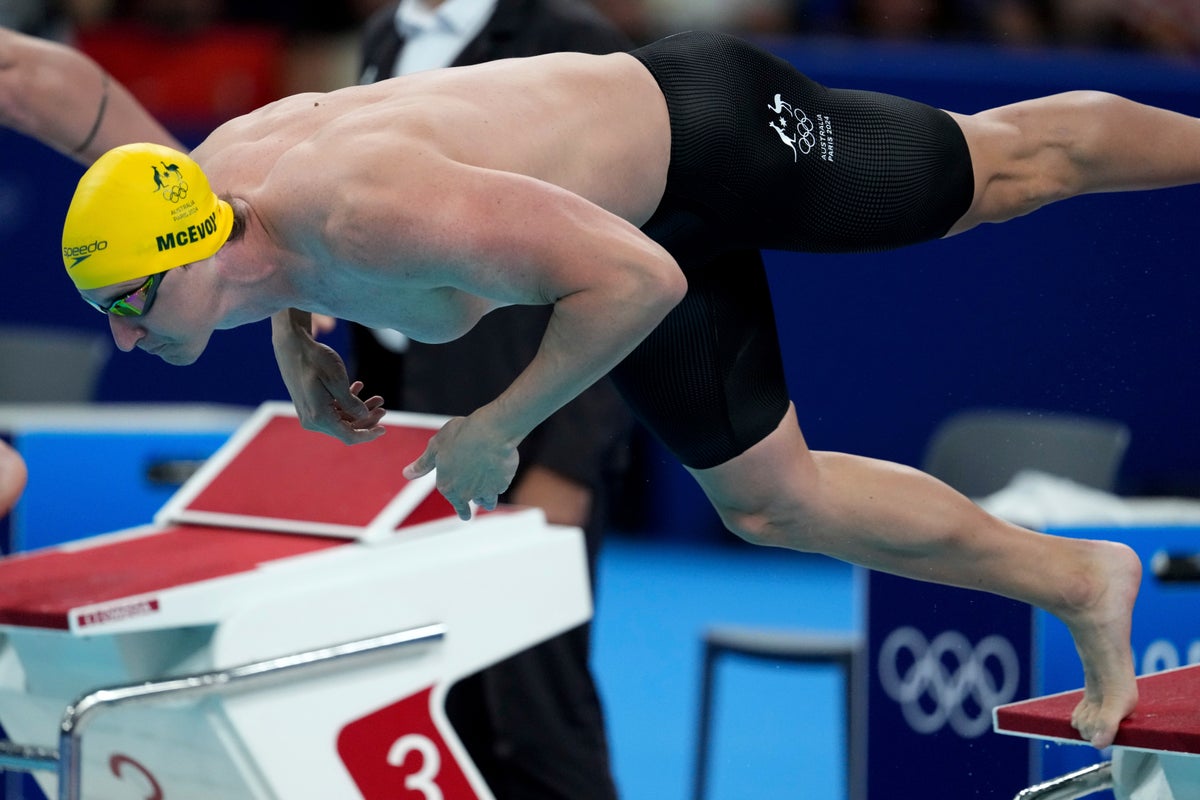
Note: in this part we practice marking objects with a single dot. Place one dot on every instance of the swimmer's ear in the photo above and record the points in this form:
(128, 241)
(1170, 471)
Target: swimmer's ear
(241, 212)
(231, 259)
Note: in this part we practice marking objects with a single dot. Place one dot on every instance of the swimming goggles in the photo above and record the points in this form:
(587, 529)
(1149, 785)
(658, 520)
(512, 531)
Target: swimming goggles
(135, 304)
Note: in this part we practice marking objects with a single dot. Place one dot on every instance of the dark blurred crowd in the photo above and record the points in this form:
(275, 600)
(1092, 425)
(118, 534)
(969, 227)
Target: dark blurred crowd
(1167, 26)
(213, 59)
(1171, 26)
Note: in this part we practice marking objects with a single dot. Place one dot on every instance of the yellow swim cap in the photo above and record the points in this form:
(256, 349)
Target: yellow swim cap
(139, 210)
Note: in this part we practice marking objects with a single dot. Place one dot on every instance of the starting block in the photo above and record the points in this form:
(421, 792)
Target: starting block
(1156, 753)
(288, 626)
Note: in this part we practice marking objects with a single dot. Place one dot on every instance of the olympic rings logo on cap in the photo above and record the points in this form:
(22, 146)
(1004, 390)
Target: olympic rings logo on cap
(948, 671)
(170, 181)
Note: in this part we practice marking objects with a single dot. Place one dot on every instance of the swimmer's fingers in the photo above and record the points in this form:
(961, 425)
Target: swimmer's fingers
(471, 466)
(371, 403)
(351, 433)
(352, 409)
(366, 414)
(353, 420)
(325, 400)
(424, 464)
(322, 324)
(348, 428)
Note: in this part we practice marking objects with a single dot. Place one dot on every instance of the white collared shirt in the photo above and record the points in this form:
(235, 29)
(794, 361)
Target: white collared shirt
(433, 37)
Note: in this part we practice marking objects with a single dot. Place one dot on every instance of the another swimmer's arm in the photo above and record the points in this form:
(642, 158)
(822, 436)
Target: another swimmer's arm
(316, 380)
(59, 96)
(13, 475)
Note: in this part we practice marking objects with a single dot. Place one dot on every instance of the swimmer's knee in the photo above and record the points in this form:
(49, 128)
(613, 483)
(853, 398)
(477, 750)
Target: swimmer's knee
(792, 524)
(770, 495)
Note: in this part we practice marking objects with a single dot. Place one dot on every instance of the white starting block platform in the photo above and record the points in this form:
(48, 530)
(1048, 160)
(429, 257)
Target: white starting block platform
(299, 610)
(1156, 754)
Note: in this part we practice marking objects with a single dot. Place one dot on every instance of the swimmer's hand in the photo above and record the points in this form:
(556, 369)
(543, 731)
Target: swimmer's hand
(318, 384)
(472, 464)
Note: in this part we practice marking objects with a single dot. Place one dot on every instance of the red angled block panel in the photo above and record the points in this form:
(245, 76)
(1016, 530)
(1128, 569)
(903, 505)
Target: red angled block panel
(286, 472)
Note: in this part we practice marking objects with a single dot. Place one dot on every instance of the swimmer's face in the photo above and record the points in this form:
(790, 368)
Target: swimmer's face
(177, 316)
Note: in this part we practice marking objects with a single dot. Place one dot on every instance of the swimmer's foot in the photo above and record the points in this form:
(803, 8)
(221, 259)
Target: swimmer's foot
(1101, 628)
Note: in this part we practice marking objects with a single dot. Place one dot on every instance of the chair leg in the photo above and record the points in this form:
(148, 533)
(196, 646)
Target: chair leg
(843, 652)
(707, 687)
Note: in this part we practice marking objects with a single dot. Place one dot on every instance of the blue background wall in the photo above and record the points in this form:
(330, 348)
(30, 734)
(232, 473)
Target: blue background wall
(1088, 306)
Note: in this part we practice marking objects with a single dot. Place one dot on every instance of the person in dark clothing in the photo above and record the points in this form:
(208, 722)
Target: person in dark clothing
(534, 723)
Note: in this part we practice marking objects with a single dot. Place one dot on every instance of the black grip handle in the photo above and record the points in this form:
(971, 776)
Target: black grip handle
(172, 471)
(1176, 567)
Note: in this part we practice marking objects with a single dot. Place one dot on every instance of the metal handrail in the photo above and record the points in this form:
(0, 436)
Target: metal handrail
(67, 760)
(22, 758)
(1073, 785)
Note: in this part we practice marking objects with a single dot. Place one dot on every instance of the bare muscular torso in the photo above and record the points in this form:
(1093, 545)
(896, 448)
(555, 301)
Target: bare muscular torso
(325, 175)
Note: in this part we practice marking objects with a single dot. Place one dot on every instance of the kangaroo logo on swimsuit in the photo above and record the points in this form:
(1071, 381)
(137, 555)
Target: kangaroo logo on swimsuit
(800, 133)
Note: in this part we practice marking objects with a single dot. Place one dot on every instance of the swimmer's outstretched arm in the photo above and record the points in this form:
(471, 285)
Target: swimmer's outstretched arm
(62, 98)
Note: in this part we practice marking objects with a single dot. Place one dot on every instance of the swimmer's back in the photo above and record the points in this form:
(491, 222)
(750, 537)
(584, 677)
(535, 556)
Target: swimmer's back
(594, 125)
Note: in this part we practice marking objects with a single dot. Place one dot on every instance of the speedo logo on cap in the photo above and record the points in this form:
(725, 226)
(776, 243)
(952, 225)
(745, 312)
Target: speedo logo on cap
(188, 235)
(83, 252)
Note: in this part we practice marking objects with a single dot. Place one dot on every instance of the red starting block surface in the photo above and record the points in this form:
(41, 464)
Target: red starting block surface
(272, 476)
(1167, 717)
(41, 589)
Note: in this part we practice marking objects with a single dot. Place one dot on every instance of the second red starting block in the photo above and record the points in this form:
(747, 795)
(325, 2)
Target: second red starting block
(1156, 754)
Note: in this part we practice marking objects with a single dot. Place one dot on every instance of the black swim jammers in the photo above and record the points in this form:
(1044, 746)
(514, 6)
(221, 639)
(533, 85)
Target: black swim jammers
(763, 157)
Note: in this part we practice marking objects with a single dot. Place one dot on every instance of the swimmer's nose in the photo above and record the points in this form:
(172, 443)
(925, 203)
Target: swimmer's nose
(125, 332)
